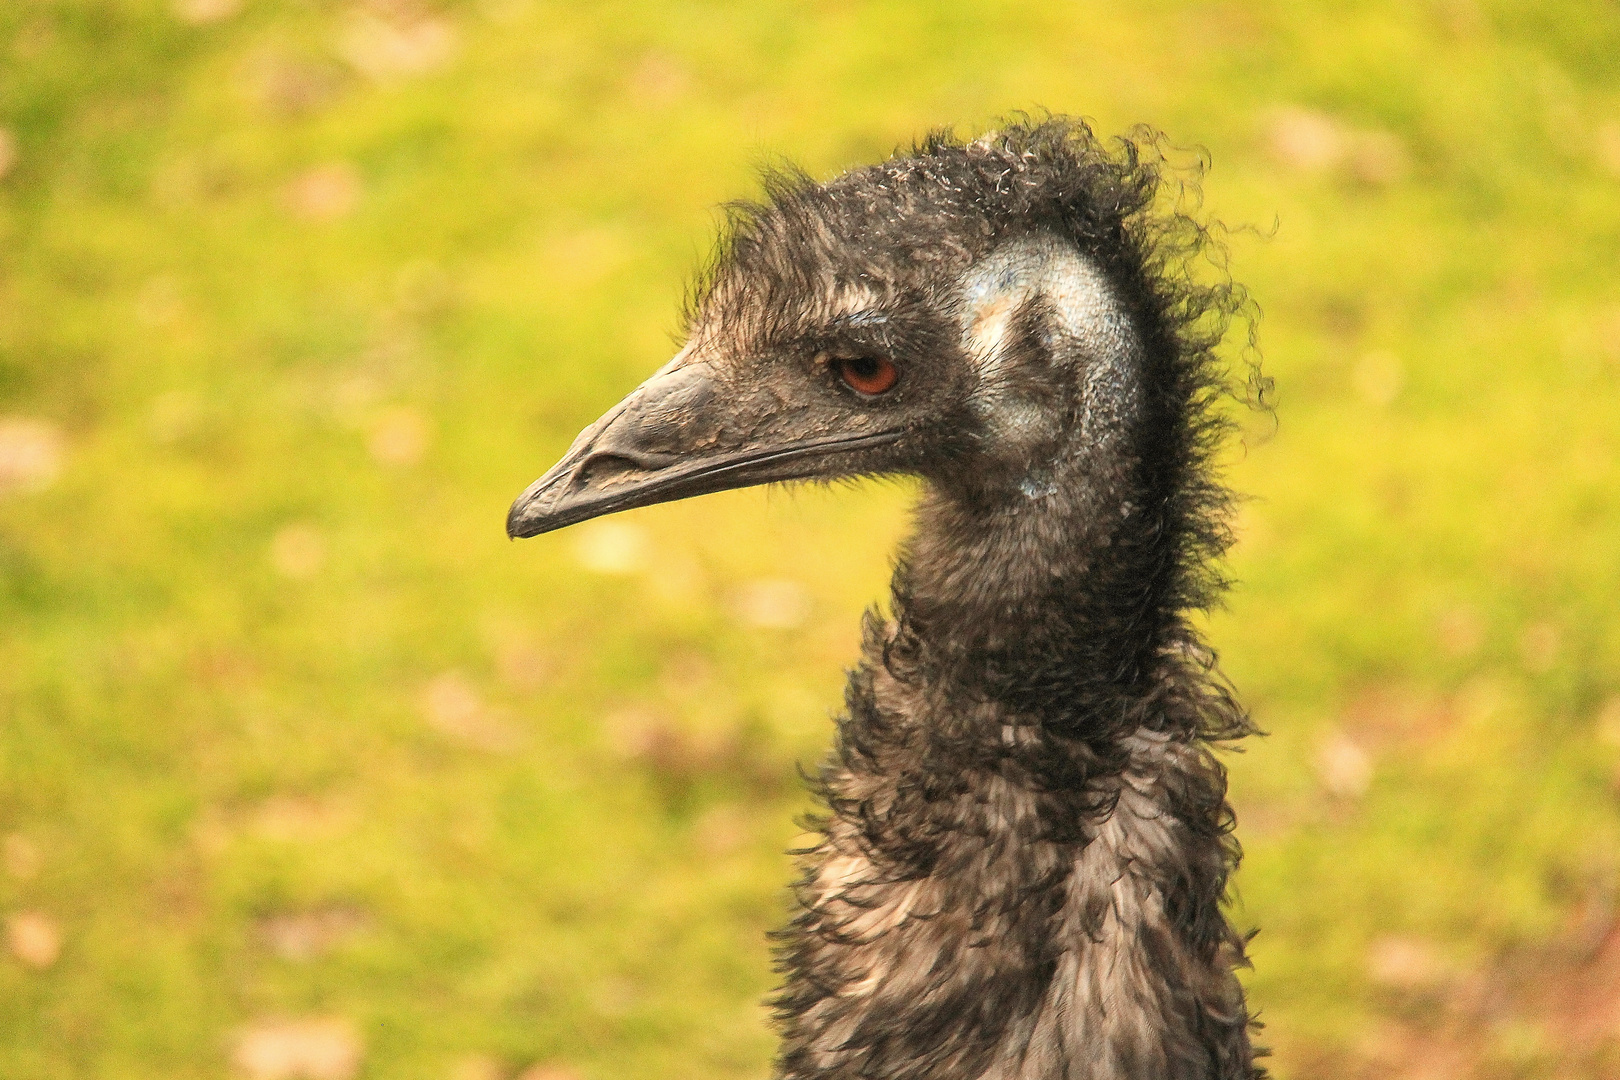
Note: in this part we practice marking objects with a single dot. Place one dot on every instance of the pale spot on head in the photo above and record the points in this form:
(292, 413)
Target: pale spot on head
(1093, 341)
(988, 327)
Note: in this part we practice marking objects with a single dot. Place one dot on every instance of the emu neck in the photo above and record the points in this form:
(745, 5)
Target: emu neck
(1046, 605)
(1021, 871)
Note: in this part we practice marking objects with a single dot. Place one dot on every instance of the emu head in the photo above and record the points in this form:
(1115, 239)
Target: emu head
(962, 314)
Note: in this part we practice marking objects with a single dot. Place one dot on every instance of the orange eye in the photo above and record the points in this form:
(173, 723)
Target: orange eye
(870, 375)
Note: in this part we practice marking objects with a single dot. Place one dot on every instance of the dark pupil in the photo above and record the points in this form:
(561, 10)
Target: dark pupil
(864, 367)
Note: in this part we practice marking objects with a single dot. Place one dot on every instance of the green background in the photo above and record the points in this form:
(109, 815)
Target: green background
(294, 298)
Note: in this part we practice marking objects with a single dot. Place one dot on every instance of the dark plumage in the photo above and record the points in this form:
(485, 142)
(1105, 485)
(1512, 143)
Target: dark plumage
(1026, 840)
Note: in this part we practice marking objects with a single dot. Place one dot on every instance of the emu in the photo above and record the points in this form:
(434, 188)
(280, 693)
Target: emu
(1025, 843)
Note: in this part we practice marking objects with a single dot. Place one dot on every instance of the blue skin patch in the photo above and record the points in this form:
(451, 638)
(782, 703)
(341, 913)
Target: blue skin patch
(1038, 485)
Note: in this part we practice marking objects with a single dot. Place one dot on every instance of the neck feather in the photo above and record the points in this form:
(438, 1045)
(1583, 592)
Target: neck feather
(1056, 607)
(1027, 844)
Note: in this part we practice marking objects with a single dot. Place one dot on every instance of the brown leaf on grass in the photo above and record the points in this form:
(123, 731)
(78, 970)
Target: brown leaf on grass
(1313, 142)
(1396, 1051)
(299, 818)
(454, 707)
(1586, 1001)
(1461, 631)
(305, 935)
(1608, 146)
(678, 757)
(30, 454)
(721, 830)
(1383, 717)
(1552, 1008)
(288, 84)
(311, 1048)
(1608, 722)
(522, 665)
(1539, 645)
(1377, 158)
(387, 49)
(477, 1067)
(203, 12)
(685, 674)
(34, 938)
(1344, 767)
(325, 192)
(399, 437)
(1306, 140)
(160, 302)
(659, 79)
(523, 660)
(772, 603)
(1608, 335)
(548, 1071)
(1378, 377)
(611, 547)
(1402, 962)
(1461, 18)
(614, 996)
(1262, 819)
(298, 551)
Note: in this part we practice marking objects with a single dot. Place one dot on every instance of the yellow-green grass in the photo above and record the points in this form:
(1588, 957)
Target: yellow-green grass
(310, 291)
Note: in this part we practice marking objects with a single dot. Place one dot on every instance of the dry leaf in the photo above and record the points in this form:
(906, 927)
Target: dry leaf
(294, 818)
(1306, 139)
(1539, 646)
(477, 1067)
(1404, 963)
(386, 49)
(611, 547)
(772, 603)
(34, 938)
(325, 192)
(454, 707)
(1311, 141)
(298, 552)
(1461, 631)
(1608, 722)
(1344, 768)
(30, 454)
(305, 935)
(1608, 147)
(399, 437)
(1379, 376)
(548, 1071)
(303, 1049)
(203, 12)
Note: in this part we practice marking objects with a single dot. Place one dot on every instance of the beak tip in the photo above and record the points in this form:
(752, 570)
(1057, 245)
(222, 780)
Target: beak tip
(518, 525)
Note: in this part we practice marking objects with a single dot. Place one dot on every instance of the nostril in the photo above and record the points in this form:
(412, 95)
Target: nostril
(604, 468)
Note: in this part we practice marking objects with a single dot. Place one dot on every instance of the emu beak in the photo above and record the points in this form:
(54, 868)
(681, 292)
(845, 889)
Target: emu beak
(680, 434)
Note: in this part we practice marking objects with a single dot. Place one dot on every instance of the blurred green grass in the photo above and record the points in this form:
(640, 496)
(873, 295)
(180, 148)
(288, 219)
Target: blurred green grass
(295, 297)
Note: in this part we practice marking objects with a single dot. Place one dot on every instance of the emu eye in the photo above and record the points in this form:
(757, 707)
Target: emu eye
(869, 375)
